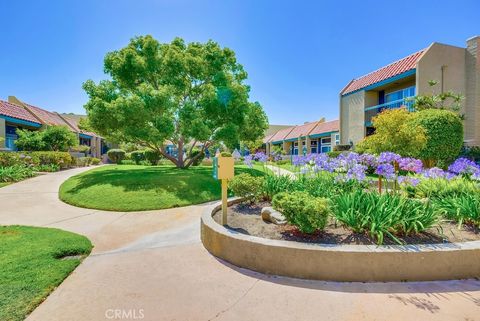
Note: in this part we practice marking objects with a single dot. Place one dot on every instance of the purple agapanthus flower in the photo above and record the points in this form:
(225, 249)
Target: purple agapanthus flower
(299, 160)
(410, 164)
(247, 160)
(388, 157)
(368, 160)
(357, 172)
(435, 172)
(261, 157)
(385, 170)
(464, 166)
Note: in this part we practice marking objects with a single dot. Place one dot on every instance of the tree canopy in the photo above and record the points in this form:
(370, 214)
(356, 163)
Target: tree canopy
(190, 95)
(53, 138)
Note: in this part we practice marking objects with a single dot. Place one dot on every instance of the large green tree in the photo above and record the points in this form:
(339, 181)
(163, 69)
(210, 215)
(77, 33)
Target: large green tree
(192, 95)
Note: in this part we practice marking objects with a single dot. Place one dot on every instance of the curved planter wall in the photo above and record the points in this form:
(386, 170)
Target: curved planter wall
(362, 263)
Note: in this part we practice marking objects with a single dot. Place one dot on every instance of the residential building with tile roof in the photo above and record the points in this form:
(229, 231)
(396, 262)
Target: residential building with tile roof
(16, 114)
(309, 138)
(395, 85)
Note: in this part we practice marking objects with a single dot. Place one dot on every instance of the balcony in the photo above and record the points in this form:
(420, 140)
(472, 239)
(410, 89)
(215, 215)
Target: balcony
(407, 102)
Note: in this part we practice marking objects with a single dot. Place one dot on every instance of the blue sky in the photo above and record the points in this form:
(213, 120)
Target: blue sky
(298, 54)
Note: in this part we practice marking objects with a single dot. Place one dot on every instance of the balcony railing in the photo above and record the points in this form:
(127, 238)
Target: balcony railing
(405, 102)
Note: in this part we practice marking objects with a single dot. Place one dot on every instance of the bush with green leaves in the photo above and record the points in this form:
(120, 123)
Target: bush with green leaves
(95, 161)
(15, 173)
(463, 209)
(53, 138)
(382, 215)
(274, 184)
(116, 155)
(62, 159)
(152, 156)
(50, 168)
(137, 156)
(197, 160)
(247, 187)
(444, 133)
(309, 214)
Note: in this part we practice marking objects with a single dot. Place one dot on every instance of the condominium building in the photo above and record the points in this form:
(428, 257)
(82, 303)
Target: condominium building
(454, 69)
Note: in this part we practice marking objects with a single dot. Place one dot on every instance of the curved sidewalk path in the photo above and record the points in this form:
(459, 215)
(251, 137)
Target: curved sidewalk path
(152, 264)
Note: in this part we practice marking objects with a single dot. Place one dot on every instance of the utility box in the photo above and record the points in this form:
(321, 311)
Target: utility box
(223, 167)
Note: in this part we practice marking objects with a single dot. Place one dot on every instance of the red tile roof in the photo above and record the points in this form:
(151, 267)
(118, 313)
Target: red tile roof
(267, 138)
(391, 70)
(47, 117)
(281, 134)
(15, 111)
(74, 122)
(301, 130)
(326, 127)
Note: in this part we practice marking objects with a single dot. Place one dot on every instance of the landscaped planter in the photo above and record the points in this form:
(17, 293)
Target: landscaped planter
(362, 263)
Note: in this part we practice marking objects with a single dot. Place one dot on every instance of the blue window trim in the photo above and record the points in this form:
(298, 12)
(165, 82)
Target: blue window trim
(85, 136)
(385, 81)
(21, 121)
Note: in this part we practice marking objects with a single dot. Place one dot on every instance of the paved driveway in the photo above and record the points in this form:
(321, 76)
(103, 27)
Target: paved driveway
(152, 266)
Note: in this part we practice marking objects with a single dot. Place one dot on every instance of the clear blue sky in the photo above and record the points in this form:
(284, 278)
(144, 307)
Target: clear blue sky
(298, 54)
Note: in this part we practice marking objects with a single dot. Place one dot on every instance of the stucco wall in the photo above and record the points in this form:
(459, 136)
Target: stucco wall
(352, 117)
(472, 95)
(429, 67)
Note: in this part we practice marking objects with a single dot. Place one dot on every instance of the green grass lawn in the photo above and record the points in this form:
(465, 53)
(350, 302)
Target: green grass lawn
(2, 184)
(288, 167)
(137, 188)
(31, 265)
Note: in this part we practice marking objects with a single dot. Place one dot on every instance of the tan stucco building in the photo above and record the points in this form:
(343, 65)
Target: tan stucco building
(455, 69)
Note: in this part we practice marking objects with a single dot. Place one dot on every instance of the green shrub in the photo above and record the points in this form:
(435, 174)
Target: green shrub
(334, 154)
(444, 132)
(83, 161)
(61, 159)
(46, 168)
(199, 159)
(53, 138)
(137, 156)
(382, 215)
(15, 173)
(207, 162)
(116, 155)
(309, 214)
(80, 149)
(247, 186)
(95, 161)
(463, 209)
(283, 162)
(152, 156)
(274, 184)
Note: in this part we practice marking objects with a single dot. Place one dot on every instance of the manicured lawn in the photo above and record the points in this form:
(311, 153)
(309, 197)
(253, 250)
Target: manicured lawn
(288, 167)
(31, 265)
(137, 188)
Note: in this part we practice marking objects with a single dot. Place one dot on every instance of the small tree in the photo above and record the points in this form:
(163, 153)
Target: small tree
(58, 138)
(187, 94)
(444, 132)
(29, 140)
(394, 132)
(446, 100)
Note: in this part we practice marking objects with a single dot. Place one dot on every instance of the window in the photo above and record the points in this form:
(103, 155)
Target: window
(337, 139)
(325, 144)
(400, 94)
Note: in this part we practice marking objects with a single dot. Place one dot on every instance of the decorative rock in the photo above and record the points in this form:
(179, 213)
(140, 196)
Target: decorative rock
(273, 216)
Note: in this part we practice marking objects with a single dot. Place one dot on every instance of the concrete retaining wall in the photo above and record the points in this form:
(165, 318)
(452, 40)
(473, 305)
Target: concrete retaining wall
(362, 263)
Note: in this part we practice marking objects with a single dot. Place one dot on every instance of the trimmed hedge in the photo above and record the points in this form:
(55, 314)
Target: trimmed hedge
(116, 155)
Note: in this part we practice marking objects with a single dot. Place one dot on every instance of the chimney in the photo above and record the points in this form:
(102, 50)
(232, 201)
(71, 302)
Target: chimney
(473, 47)
(472, 91)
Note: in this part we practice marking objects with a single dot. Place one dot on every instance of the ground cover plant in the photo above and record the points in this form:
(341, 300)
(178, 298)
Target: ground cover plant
(382, 196)
(137, 187)
(33, 261)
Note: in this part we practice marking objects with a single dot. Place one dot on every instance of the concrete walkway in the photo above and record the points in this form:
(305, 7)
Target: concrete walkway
(152, 266)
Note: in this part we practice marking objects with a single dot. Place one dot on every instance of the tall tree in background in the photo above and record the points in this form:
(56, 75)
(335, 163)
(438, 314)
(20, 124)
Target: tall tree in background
(192, 95)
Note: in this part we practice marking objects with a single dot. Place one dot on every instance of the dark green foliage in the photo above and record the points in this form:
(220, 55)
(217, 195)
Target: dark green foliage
(444, 133)
(342, 147)
(116, 155)
(441, 188)
(137, 156)
(463, 209)
(334, 154)
(309, 214)
(247, 186)
(382, 215)
(197, 155)
(61, 159)
(152, 156)
(31, 266)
